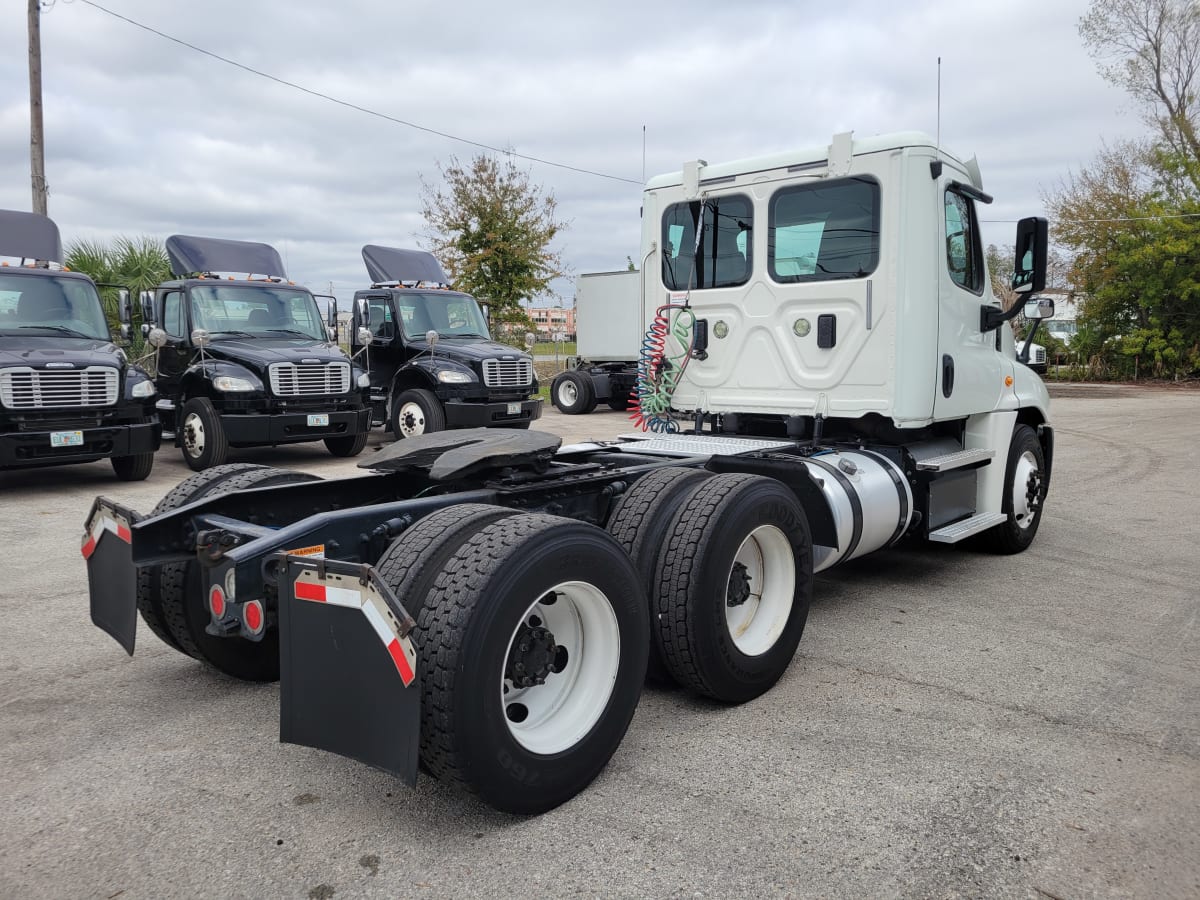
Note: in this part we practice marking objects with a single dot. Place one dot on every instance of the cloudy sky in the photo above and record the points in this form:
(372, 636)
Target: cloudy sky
(146, 136)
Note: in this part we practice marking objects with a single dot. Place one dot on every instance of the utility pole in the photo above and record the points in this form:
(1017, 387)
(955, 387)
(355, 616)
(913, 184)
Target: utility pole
(37, 155)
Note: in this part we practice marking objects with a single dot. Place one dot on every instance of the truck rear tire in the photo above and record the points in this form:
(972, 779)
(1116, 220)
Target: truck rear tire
(638, 522)
(201, 436)
(619, 402)
(531, 649)
(1024, 494)
(734, 586)
(149, 598)
(182, 597)
(415, 412)
(136, 467)
(412, 562)
(572, 392)
(350, 445)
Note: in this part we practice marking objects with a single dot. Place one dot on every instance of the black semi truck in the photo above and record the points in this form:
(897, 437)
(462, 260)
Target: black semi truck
(247, 362)
(67, 392)
(432, 362)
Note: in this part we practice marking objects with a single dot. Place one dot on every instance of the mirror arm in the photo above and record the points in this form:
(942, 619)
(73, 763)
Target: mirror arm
(991, 317)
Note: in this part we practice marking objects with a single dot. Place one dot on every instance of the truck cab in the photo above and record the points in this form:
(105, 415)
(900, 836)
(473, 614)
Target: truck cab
(68, 394)
(432, 363)
(248, 361)
(841, 293)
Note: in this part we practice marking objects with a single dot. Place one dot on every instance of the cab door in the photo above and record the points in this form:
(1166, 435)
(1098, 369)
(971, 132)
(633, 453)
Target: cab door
(176, 354)
(969, 374)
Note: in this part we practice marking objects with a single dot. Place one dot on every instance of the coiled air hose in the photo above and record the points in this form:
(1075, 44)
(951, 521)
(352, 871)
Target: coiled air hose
(659, 374)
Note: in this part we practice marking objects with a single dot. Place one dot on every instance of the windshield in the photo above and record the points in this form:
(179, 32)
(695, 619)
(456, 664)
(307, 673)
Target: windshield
(256, 311)
(448, 313)
(47, 305)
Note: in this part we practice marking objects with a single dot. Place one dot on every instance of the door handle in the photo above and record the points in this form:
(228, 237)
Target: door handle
(947, 374)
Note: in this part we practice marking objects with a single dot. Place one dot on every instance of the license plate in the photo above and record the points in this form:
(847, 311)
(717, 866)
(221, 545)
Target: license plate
(66, 439)
(318, 421)
(514, 409)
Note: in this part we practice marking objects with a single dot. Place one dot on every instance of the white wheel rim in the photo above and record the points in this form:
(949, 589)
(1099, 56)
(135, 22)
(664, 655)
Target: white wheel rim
(1023, 510)
(567, 393)
(556, 715)
(193, 435)
(412, 419)
(756, 622)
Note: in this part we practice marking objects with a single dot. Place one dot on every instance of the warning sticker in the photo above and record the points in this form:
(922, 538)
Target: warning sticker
(314, 550)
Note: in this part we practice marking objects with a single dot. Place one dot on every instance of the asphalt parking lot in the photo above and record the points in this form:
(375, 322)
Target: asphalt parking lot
(954, 724)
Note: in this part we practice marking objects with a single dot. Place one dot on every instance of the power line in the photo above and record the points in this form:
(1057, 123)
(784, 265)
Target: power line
(347, 104)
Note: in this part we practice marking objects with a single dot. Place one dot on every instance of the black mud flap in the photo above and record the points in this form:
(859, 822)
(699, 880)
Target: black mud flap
(112, 576)
(347, 669)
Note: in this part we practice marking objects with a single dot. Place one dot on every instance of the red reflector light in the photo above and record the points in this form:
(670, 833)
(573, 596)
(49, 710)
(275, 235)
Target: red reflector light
(252, 615)
(216, 602)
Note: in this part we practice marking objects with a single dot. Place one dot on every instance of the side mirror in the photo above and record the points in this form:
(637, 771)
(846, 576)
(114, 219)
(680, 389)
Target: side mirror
(1031, 250)
(147, 301)
(530, 340)
(124, 309)
(156, 337)
(125, 330)
(332, 331)
(364, 336)
(331, 310)
(432, 337)
(364, 311)
(1039, 308)
(200, 337)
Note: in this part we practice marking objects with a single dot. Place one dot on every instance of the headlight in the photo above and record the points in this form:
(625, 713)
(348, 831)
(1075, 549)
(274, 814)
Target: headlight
(143, 389)
(453, 376)
(231, 383)
(364, 380)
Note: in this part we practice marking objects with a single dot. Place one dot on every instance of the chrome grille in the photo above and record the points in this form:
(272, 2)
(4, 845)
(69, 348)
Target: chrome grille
(508, 372)
(28, 388)
(1037, 354)
(309, 379)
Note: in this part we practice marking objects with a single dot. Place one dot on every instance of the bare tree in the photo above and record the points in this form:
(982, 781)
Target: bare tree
(1151, 48)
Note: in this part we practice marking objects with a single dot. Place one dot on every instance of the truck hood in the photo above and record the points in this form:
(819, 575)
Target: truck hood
(473, 350)
(39, 352)
(262, 352)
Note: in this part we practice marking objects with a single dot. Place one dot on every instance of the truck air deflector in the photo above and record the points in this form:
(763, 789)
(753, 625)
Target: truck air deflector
(112, 577)
(29, 236)
(348, 677)
(394, 264)
(189, 254)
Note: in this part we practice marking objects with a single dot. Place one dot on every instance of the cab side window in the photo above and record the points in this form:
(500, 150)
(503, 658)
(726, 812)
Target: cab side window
(174, 320)
(964, 252)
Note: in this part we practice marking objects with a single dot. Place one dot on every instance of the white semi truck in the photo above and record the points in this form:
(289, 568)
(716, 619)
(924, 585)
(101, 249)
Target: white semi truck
(610, 323)
(826, 374)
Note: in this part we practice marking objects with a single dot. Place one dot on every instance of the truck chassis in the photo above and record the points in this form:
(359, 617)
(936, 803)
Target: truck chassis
(487, 608)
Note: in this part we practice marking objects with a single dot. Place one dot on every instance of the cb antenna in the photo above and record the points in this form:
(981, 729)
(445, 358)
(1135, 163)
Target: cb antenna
(938, 138)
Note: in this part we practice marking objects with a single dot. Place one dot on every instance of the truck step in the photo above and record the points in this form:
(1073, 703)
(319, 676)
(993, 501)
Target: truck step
(957, 460)
(952, 534)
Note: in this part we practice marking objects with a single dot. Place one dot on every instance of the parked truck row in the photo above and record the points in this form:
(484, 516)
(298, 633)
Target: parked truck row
(241, 357)
(832, 376)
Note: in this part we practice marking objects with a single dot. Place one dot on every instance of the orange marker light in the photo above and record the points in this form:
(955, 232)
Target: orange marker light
(1008, 381)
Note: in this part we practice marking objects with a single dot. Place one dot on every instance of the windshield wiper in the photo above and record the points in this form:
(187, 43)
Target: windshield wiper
(232, 331)
(466, 334)
(294, 331)
(64, 329)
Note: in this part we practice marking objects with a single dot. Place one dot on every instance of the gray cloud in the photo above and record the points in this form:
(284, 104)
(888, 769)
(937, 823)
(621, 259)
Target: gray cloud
(146, 136)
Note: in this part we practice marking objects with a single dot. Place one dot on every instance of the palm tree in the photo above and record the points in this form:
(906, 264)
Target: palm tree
(137, 263)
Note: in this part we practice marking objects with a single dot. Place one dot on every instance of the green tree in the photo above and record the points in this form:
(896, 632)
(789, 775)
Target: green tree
(1151, 49)
(492, 229)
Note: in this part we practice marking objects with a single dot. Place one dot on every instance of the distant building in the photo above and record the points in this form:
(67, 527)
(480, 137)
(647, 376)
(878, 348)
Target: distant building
(551, 320)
